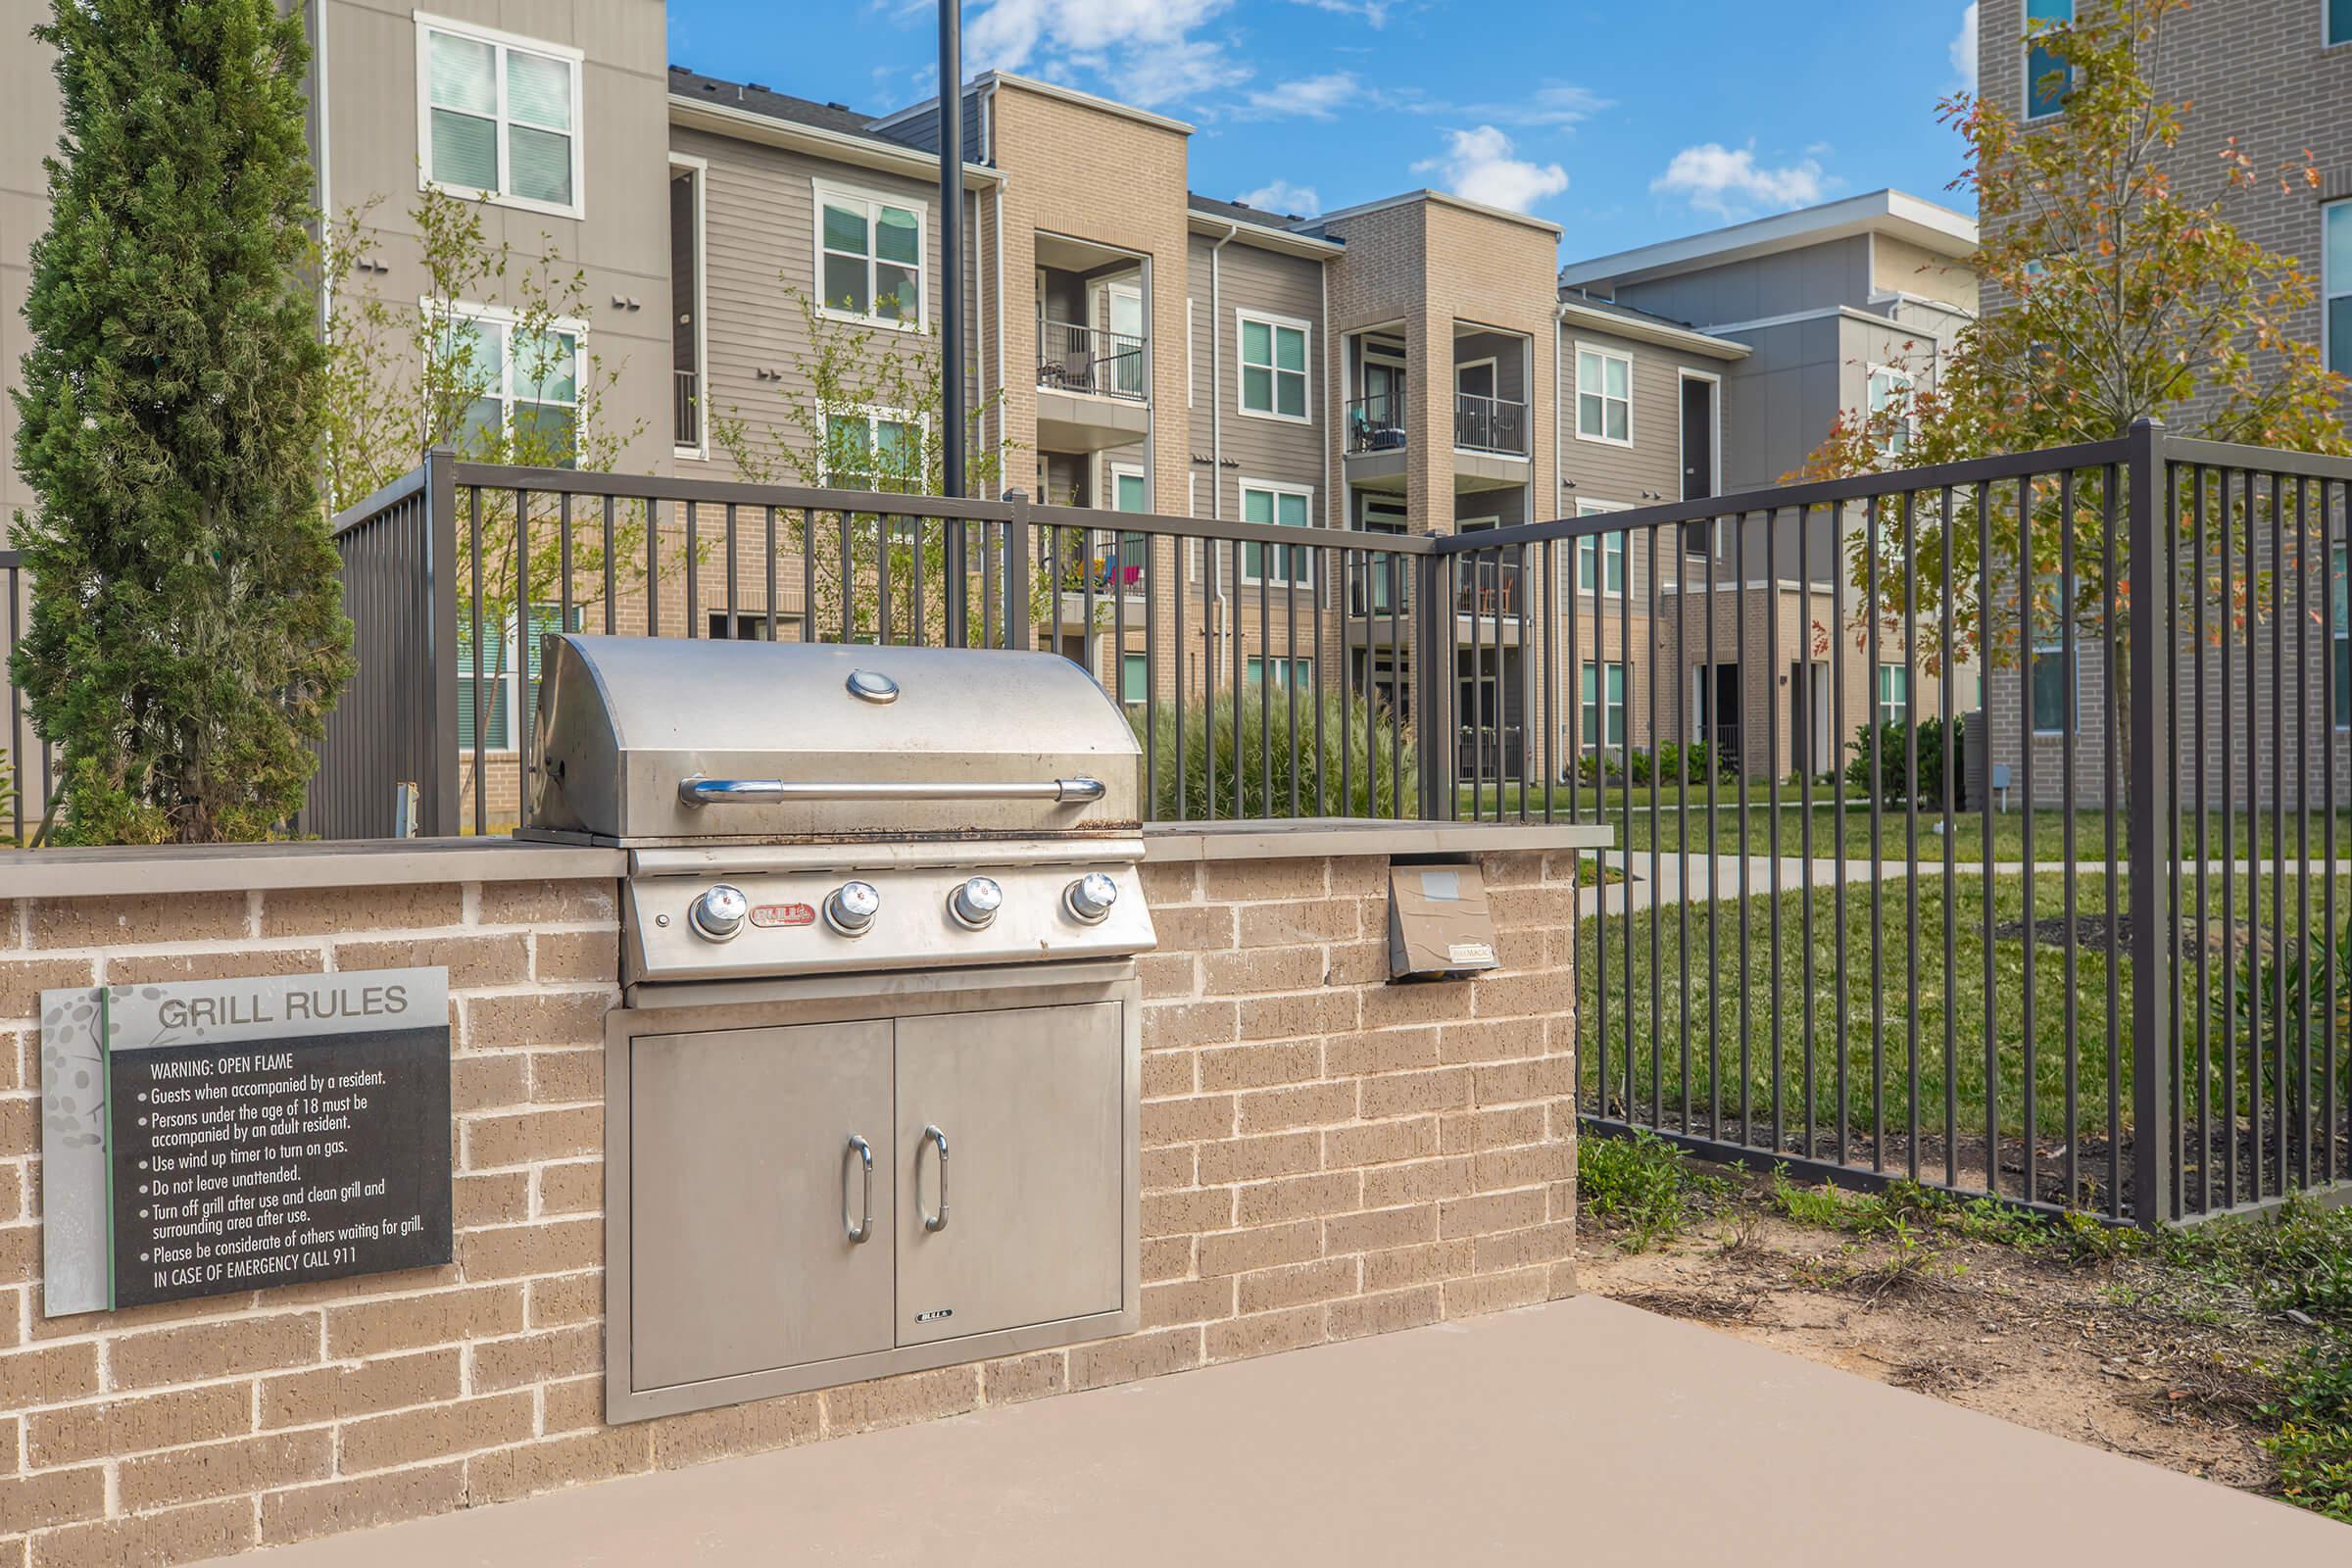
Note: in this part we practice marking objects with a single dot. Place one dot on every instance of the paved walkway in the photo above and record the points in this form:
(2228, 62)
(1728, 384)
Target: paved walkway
(1582, 1433)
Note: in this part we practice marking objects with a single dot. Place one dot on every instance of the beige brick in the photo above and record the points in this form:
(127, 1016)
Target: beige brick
(1292, 1328)
(575, 1188)
(567, 1077)
(1174, 1025)
(1507, 1250)
(1168, 1168)
(1259, 969)
(561, 1247)
(1491, 1213)
(1187, 1301)
(1414, 1094)
(1389, 1006)
(1495, 1293)
(1260, 1066)
(473, 961)
(1467, 1132)
(1296, 1016)
(1239, 881)
(1379, 1229)
(1025, 1377)
(1517, 869)
(479, 1083)
(895, 1402)
(226, 1469)
(502, 1197)
(1169, 1074)
(305, 1513)
(721, 1434)
(201, 1350)
(528, 1358)
(334, 1393)
(22, 980)
(1499, 1040)
(1189, 1212)
(1192, 928)
(1359, 964)
(373, 1328)
(1379, 1315)
(1168, 975)
(437, 1430)
(332, 911)
(1295, 1285)
(1380, 1143)
(1167, 1257)
(1416, 1266)
(1170, 882)
(576, 955)
(1268, 1110)
(1249, 1160)
(113, 923)
(52, 1497)
(1417, 1181)
(573, 1405)
(546, 904)
(1521, 995)
(1525, 1165)
(537, 1018)
(1298, 1197)
(114, 1427)
(1507, 1083)
(532, 1136)
(1136, 1355)
(1239, 1251)
(505, 1473)
(20, 1136)
(1303, 921)
(1187, 1121)
(571, 1298)
(1380, 1051)
(151, 1540)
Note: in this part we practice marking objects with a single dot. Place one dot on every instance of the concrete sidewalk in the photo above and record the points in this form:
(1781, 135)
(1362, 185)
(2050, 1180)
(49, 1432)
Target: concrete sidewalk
(1584, 1432)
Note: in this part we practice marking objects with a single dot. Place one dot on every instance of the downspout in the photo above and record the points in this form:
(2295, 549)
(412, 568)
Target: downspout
(1216, 431)
(323, 153)
(1560, 673)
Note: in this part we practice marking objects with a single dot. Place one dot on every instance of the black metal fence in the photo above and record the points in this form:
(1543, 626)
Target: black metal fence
(28, 766)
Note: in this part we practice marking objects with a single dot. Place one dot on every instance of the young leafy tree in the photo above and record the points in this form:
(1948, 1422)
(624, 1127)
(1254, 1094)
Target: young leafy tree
(187, 633)
(2117, 287)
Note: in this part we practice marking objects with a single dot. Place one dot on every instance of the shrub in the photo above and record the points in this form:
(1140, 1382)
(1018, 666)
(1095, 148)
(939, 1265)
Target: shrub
(1379, 775)
(1894, 762)
(1643, 1186)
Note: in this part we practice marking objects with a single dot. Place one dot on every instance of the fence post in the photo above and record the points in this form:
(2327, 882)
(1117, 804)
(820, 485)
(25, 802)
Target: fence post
(2155, 939)
(1433, 677)
(438, 814)
(1017, 628)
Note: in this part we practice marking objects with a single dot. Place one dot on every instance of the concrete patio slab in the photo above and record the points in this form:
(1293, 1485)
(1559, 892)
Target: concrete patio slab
(1584, 1432)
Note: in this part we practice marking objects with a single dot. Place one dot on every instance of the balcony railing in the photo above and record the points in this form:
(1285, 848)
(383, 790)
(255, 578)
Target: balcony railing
(1489, 424)
(1376, 423)
(686, 407)
(1488, 587)
(1087, 358)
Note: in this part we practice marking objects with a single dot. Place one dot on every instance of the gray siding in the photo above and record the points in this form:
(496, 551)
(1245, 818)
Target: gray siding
(1835, 273)
(1254, 447)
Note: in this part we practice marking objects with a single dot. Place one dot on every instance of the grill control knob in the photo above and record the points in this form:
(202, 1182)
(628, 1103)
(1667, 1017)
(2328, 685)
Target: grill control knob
(718, 915)
(975, 902)
(1090, 898)
(850, 907)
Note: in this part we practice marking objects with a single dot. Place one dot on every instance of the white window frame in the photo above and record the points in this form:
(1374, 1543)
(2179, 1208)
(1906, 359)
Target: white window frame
(872, 414)
(1306, 372)
(513, 679)
(843, 194)
(1281, 666)
(507, 320)
(2025, 108)
(701, 306)
(2338, 562)
(1278, 488)
(1187, 351)
(2054, 642)
(502, 42)
(1879, 704)
(1904, 382)
(1603, 392)
(1577, 579)
(1603, 703)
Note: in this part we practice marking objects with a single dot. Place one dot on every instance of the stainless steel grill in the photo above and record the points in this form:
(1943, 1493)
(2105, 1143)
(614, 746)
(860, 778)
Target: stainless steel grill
(882, 902)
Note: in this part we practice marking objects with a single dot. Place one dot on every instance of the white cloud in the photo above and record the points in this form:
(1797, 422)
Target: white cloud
(1478, 166)
(1729, 182)
(1374, 12)
(1964, 48)
(1313, 97)
(1281, 196)
(1140, 51)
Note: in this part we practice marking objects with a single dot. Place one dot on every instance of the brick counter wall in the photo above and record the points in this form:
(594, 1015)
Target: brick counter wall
(1324, 1156)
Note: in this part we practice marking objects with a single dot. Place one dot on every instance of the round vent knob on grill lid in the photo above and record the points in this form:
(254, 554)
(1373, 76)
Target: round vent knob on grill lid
(975, 902)
(1090, 898)
(850, 907)
(718, 913)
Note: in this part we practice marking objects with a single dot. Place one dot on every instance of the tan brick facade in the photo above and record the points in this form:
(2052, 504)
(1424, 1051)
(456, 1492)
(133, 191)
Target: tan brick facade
(1325, 1157)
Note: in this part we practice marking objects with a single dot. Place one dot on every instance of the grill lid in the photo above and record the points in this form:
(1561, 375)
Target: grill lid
(644, 740)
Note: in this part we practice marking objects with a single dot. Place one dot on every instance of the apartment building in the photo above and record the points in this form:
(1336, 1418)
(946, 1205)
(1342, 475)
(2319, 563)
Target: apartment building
(1853, 304)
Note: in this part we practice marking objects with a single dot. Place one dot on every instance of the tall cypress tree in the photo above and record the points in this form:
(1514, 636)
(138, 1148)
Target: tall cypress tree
(186, 635)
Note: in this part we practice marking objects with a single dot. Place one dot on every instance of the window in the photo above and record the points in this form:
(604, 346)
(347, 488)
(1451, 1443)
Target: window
(492, 689)
(1894, 695)
(689, 431)
(1287, 507)
(2339, 21)
(525, 386)
(869, 258)
(2053, 691)
(2342, 637)
(873, 449)
(1607, 548)
(1604, 396)
(1126, 568)
(1282, 671)
(1605, 717)
(1893, 389)
(1135, 678)
(2048, 77)
(498, 117)
(1273, 367)
(2335, 284)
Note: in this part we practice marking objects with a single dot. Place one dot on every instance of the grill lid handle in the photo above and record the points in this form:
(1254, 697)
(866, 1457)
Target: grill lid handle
(699, 791)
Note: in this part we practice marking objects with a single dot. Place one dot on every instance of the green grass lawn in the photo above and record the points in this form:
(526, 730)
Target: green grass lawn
(1878, 1058)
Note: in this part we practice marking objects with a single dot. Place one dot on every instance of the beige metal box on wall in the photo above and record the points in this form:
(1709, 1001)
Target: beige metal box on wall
(1439, 923)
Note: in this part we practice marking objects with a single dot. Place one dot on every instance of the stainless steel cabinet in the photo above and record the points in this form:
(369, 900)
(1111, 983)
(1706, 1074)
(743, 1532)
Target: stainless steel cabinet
(1009, 1139)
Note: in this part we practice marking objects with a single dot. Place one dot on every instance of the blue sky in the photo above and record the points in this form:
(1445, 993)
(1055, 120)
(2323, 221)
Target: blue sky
(1624, 123)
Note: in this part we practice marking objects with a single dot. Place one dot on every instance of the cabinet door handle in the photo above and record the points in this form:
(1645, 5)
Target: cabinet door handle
(863, 1226)
(937, 1221)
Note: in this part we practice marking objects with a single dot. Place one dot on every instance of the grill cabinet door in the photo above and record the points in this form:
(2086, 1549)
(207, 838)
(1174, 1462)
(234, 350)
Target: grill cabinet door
(746, 1183)
(1031, 1103)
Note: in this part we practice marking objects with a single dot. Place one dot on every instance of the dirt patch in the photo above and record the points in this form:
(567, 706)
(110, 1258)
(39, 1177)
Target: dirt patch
(2111, 1353)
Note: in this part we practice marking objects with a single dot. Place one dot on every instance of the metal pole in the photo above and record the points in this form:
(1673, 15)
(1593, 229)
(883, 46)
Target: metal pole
(2154, 943)
(950, 300)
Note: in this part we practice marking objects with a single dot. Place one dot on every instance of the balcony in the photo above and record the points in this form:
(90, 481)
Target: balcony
(1494, 425)
(1489, 588)
(1094, 387)
(686, 409)
(1376, 423)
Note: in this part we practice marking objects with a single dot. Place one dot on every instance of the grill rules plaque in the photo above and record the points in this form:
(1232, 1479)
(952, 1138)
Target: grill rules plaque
(212, 1137)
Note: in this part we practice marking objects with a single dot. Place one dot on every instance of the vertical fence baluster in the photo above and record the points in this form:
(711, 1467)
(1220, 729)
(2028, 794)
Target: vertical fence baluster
(1657, 989)
(2070, 1012)
(2155, 938)
(2111, 481)
(1772, 790)
(1877, 700)
(1987, 659)
(1806, 744)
